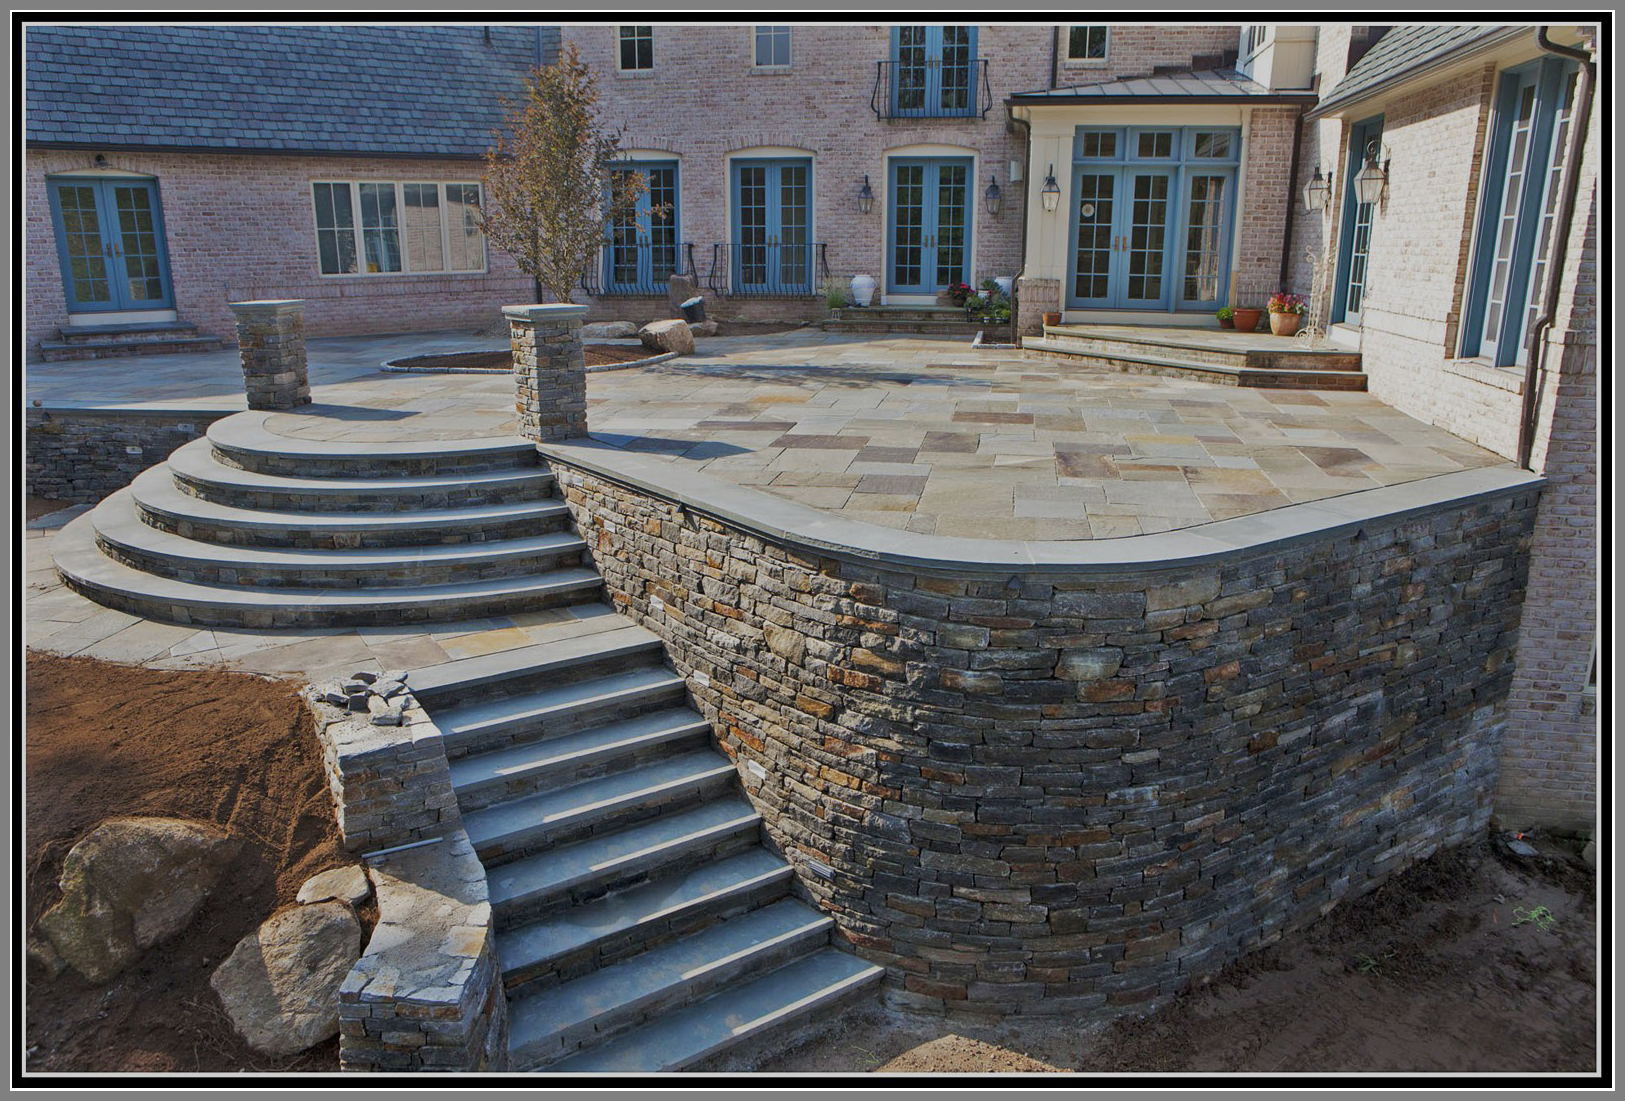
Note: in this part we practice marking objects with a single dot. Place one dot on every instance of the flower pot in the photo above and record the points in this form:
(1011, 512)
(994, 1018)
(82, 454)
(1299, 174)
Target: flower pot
(1247, 319)
(1227, 323)
(1285, 324)
(1052, 318)
(863, 289)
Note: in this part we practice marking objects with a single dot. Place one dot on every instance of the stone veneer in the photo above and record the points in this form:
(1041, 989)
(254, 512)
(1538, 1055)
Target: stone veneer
(82, 455)
(1075, 788)
(549, 370)
(271, 344)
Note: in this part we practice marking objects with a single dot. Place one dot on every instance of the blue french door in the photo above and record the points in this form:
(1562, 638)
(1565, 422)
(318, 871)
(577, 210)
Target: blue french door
(1353, 260)
(110, 242)
(930, 227)
(1122, 237)
(642, 250)
(935, 71)
(772, 226)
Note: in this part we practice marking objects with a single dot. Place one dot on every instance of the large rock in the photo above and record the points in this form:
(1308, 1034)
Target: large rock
(344, 884)
(130, 883)
(608, 330)
(679, 289)
(668, 336)
(280, 985)
(704, 328)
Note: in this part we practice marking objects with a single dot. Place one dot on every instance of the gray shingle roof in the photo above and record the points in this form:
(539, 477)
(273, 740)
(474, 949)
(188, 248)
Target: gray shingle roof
(1206, 84)
(1401, 50)
(403, 90)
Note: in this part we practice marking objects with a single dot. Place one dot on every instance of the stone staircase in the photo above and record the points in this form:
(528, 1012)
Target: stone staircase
(938, 320)
(641, 923)
(1214, 357)
(253, 529)
(135, 339)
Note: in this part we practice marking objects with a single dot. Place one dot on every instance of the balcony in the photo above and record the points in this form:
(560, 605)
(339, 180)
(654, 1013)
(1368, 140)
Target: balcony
(773, 269)
(631, 267)
(931, 89)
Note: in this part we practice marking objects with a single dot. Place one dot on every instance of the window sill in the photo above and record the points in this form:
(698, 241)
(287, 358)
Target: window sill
(1085, 62)
(1509, 379)
(400, 274)
(771, 70)
(635, 74)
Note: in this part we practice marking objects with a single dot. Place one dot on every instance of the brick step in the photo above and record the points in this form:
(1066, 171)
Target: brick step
(197, 471)
(163, 506)
(243, 441)
(920, 328)
(483, 779)
(58, 351)
(556, 1022)
(140, 330)
(899, 313)
(542, 665)
(505, 831)
(1189, 346)
(816, 984)
(1220, 374)
(551, 711)
(565, 945)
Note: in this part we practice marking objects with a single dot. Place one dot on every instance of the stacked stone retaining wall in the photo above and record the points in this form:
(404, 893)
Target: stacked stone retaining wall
(82, 455)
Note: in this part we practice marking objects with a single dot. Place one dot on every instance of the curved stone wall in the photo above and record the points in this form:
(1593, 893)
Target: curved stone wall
(1079, 785)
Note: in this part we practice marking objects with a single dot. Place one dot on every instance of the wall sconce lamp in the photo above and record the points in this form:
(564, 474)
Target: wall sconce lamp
(1372, 179)
(866, 196)
(1317, 193)
(994, 196)
(1051, 195)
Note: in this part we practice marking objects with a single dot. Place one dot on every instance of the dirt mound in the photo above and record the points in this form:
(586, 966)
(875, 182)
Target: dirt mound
(105, 740)
(963, 1055)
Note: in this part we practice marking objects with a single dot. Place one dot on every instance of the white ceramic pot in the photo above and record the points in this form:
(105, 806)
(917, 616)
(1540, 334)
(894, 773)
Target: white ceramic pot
(863, 289)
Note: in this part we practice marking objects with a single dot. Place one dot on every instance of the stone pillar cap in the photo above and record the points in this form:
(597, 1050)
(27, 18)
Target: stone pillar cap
(269, 305)
(546, 311)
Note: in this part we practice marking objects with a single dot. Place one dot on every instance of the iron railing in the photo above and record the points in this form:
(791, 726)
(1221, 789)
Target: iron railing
(633, 267)
(931, 90)
(768, 270)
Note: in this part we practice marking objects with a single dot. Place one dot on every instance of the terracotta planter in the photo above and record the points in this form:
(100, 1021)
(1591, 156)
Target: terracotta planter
(1227, 323)
(1053, 318)
(1247, 319)
(1285, 324)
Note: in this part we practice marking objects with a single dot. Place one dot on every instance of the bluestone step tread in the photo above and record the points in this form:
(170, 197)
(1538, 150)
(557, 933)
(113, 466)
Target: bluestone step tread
(645, 979)
(68, 332)
(195, 462)
(540, 659)
(684, 1037)
(465, 721)
(612, 855)
(502, 766)
(694, 891)
(133, 346)
(1240, 371)
(247, 433)
(594, 800)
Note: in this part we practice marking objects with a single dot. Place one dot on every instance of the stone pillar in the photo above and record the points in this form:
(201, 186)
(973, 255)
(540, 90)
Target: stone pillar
(549, 370)
(1035, 298)
(271, 341)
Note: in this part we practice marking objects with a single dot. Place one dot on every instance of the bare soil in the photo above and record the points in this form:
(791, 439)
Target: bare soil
(1451, 966)
(43, 506)
(105, 740)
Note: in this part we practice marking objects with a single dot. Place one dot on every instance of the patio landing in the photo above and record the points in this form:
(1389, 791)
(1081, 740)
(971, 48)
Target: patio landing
(1225, 357)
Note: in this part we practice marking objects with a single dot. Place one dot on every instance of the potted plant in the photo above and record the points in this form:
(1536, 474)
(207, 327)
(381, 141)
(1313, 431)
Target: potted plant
(958, 292)
(1286, 312)
(1052, 317)
(834, 295)
(1227, 317)
(976, 307)
(1246, 318)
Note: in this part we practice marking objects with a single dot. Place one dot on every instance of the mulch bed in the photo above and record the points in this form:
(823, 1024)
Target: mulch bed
(597, 355)
(105, 740)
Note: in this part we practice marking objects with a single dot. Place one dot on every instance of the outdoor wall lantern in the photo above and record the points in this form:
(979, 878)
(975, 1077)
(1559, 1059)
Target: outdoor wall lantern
(995, 197)
(866, 196)
(1317, 193)
(1051, 193)
(1372, 178)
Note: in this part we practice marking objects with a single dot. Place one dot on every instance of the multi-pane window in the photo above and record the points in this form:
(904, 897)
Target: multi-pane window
(1253, 39)
(637, 47)
(1086, 43)
(772, 47)
(373, 227)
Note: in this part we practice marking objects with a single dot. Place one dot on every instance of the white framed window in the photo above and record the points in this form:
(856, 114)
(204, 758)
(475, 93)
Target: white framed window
(1253, 39)
(772, 48)
(1087, 43)
(636, 48)
(409, 227)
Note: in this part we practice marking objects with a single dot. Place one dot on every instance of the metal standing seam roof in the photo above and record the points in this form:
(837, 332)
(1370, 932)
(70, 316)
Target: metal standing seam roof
(1207, 84)
(390, 90)
(1403, 49)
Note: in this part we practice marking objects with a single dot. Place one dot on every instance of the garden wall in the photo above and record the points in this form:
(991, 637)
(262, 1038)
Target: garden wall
(82, 455)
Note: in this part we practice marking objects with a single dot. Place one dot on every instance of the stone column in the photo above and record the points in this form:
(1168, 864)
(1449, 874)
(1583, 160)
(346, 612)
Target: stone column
(549, 370)
(1035, 298)
(271, 342)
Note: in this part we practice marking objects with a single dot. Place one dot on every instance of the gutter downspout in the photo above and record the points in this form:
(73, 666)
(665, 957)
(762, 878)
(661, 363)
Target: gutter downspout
(1564, 218)
(1026, 187)
(1291, 198)
(1054, 56)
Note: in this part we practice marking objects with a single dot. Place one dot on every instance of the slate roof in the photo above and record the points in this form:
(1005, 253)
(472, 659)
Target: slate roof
(399, 91)
(1402, 50)
(1205, 85)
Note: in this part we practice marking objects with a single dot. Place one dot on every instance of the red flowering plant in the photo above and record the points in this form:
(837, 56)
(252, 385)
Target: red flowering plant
(1282, 302)
(958, 292)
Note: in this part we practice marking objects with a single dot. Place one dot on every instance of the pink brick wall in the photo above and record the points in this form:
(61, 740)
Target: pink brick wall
(240, 227)
(1261, 222)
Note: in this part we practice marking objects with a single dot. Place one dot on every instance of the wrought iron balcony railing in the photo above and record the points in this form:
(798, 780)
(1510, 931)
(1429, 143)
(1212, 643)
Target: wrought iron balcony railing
(637, 266)
(933, 89)
(773, 269)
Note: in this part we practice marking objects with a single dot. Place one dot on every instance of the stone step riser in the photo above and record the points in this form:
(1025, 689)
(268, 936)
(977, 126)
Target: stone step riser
(355, 537)
(477, 797)
(625, 944)
(98, 334)
(918, 328)
(105, 349)
(362, 465)
(293, 576)
(888, 314)
(563, 721)
(384, 500)
(605, 1027)
(1252, 378)
(551, 675)
(1101, 346)
(541, 839)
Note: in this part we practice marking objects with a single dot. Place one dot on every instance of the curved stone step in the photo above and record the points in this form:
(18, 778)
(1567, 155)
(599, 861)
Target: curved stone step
(87, 570)
(785, 996)
(122, 535)
(529, 716)
(198, 472)
(242, 440)
(163, 506)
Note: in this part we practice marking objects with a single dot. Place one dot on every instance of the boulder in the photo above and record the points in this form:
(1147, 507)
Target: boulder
(679, 289)
(344, 884)
(608, 330)
(704, 328)
(130, 883)
(672, 335)
(280, 985)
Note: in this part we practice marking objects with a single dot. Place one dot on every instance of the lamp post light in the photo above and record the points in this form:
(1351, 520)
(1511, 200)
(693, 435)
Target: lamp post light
(995, 196)
(866, 196)
(1317, 193)
(1051, 195)
(1372, 179)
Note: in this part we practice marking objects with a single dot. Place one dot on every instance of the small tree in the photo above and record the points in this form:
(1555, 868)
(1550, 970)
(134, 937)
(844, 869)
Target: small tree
(546, 180)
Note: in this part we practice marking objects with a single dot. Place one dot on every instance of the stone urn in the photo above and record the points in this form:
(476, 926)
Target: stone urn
(863, 289)
(1285, 324)
(1247, 318)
